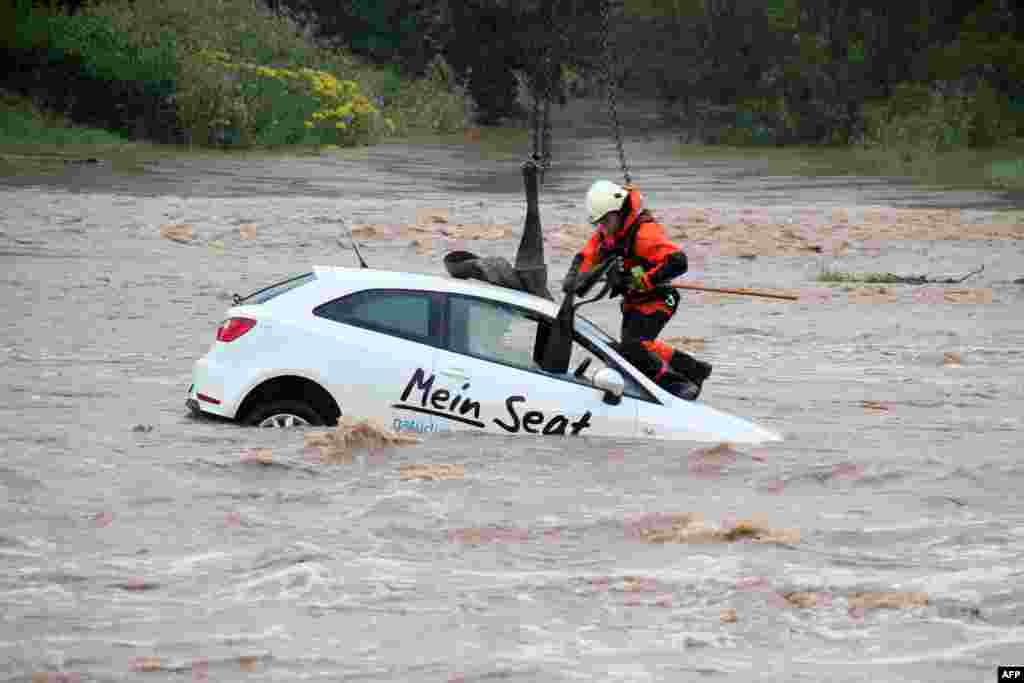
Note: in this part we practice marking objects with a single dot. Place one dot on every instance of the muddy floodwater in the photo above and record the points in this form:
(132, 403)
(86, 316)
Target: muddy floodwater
(883, 540)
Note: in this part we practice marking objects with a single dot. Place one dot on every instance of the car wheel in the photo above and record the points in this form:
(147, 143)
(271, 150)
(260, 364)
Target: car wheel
(284, 414)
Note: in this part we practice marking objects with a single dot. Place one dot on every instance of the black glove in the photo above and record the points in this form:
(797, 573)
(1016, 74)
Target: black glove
(584, 282)
(571, 281)
(618, 280)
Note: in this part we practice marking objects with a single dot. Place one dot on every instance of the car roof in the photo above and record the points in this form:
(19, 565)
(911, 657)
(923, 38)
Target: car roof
(372, 277)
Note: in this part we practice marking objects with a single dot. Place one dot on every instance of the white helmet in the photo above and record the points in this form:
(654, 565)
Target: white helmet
(602, 197)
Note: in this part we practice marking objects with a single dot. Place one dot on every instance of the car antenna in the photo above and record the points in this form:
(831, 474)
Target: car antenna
(362, 263)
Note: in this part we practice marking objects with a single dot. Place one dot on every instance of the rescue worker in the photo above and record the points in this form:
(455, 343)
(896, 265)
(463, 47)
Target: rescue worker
(627, 230)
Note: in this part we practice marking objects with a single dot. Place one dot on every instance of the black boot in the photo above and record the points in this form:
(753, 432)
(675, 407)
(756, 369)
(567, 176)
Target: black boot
(689, 367)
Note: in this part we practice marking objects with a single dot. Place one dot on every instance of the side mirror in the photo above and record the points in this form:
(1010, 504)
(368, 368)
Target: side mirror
(611, 382)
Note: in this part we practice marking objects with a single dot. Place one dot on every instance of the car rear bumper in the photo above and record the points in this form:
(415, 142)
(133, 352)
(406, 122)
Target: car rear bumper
(215, 389)
(192, 403)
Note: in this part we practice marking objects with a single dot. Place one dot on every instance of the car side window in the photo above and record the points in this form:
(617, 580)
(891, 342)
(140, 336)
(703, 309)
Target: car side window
(507, 335)
(405, 314)
(492, 332)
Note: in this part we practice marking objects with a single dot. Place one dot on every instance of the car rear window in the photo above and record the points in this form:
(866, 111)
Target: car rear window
(261, 296)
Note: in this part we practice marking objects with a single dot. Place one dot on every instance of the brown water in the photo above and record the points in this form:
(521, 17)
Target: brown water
(168, 554)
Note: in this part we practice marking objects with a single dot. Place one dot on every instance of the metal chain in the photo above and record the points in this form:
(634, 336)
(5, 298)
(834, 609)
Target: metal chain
(534, 119)
(541, 130)
(610, 85)
(545, 158)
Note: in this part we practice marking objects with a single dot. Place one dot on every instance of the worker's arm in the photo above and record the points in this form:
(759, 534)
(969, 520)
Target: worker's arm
(653, 245)
(581, 264)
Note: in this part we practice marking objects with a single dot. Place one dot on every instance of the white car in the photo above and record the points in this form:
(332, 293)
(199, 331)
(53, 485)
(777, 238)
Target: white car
(430, 354)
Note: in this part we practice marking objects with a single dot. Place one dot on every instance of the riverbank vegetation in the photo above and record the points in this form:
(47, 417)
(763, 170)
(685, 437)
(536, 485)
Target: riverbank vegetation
(24, 127)
(931, 90)
(228, 74)
(999, 167)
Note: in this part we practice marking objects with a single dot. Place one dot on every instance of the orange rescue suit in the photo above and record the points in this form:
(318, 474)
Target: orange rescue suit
(640, 242)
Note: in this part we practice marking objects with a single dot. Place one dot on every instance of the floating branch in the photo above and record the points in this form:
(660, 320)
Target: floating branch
(925, 280)
(892, 278)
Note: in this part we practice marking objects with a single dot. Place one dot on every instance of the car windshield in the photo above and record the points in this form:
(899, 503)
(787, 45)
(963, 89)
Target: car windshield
(593, 330)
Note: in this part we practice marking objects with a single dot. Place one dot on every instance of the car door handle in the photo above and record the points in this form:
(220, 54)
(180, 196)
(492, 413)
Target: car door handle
(455, 373)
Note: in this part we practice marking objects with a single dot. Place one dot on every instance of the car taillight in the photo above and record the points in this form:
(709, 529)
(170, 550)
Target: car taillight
(233, 328)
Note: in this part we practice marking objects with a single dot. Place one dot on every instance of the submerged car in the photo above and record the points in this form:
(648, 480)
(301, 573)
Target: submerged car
(428, 354)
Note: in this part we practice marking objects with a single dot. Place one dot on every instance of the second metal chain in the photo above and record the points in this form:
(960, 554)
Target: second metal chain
(535, 119)
(546, 70)
(611, 86)
(545, 160)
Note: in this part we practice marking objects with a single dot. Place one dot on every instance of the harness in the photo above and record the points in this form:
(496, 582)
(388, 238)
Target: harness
(625, 247)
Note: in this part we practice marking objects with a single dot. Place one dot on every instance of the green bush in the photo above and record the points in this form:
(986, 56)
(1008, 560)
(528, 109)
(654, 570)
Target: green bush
(106, 53)
(1007, 173)
(225, 101)
(257, 94)
(435, 103)
(21, 125)
(918, 118)
(241, 76)
(915, 118)
(737, 136)
(992, 120)
(244, 28)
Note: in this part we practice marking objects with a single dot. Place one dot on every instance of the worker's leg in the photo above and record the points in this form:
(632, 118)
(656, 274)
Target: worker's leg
(641, 323)
(683, 363)
(646, 321)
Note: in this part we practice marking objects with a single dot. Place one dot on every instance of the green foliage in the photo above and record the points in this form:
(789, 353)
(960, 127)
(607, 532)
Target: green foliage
(992, 121)
(272, 86)
(22, 125)
(677, 9)
(921, 117)
(784, 15)
(1008, 174)
(963, 168)
(915, 118)
(239, 75)
(106, 53)
(245, 104)
(435, 103)
(390, 82)
(982, 46)
(855, 52)
(737, 136)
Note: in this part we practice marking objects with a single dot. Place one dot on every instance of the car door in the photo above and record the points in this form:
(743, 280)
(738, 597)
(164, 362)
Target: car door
(487, 380)
(378, 345)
